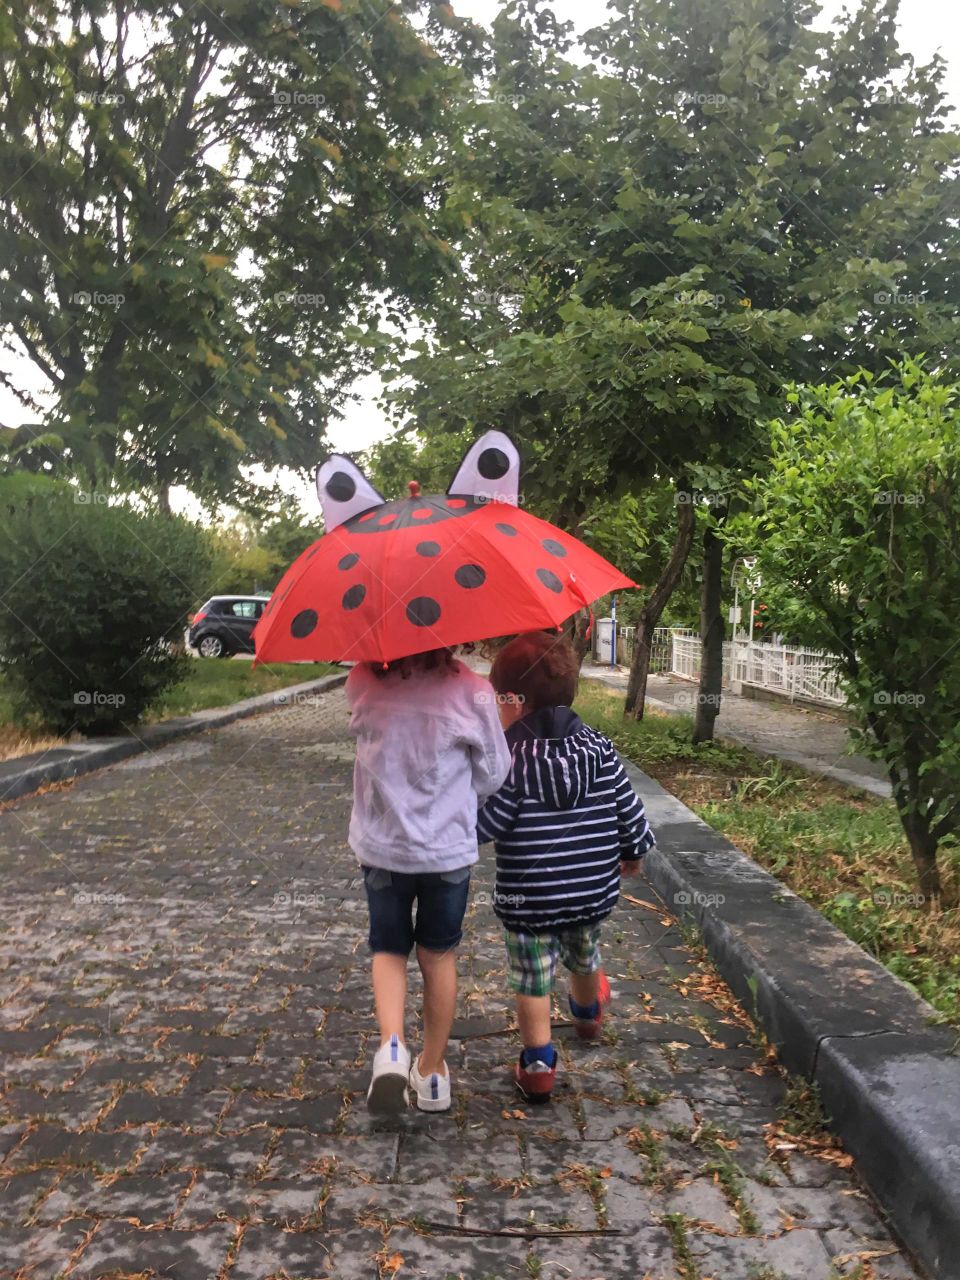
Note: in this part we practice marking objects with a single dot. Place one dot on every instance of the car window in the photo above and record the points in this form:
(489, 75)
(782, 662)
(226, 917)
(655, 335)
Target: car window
(244, 608)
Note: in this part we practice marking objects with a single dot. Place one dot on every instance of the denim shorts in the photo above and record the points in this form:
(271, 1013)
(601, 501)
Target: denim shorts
(440, 898)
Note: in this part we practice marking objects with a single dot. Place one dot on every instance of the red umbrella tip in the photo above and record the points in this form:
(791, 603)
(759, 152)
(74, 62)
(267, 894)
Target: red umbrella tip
(414, 487)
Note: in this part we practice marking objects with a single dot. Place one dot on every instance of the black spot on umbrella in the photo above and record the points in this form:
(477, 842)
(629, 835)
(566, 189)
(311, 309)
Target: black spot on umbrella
(428, 548)
(554, 547)
(341, 486)
(354, 596)
(550, 579)
(303, 624)
(423, 611)
(493, 463)
(470, 575)
(348, 561)
(508, 529)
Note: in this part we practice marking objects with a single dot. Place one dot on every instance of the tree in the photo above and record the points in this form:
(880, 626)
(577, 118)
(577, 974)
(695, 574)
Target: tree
(207, 211)
(722, 199)
(94, 603)
(858, 520)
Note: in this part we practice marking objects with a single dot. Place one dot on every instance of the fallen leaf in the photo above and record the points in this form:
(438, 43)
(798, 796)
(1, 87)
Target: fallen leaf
(393, 1264)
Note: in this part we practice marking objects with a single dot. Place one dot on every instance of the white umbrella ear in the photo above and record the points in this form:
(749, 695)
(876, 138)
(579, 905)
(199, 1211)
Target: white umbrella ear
(344, 491)
(490, 470)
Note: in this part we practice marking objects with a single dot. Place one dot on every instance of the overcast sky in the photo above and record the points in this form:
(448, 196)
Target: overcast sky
(926, 27)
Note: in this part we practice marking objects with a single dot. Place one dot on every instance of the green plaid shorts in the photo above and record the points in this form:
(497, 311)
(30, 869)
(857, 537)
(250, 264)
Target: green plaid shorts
(534, 956)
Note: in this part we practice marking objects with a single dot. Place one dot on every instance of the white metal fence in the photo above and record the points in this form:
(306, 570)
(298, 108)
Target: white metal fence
(661, 654)
(793, 672)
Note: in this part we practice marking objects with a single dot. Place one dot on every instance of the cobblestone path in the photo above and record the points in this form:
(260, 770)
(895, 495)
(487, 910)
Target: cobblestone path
(184, 1023)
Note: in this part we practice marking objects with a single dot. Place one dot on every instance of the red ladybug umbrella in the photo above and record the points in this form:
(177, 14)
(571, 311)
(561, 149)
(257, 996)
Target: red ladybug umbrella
(389, 579)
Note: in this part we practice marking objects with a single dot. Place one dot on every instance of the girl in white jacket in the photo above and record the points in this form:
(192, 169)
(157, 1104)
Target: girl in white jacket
(429, 747)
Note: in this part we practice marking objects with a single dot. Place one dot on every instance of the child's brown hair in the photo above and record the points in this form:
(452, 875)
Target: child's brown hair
(540, 667)
(429, 660)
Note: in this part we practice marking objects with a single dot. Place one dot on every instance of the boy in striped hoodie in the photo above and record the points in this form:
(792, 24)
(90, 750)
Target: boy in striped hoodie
(567, 824)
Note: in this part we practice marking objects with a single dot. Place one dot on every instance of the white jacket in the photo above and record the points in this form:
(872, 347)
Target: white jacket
(428, 748)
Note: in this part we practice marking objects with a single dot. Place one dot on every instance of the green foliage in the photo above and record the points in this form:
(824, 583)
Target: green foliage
(859, 519)
(654, 740)
(95, 596)
(252, 554)
(659, 235)
(208, 213)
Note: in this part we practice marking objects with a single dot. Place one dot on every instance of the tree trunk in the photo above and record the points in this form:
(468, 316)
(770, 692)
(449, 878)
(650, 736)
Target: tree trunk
(923, 847)
(575, 629)
(163, 498)
(711, 638)
(650, 616)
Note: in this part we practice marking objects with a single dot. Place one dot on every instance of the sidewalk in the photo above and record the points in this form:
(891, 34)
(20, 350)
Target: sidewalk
(185, 1023)
(814, 740)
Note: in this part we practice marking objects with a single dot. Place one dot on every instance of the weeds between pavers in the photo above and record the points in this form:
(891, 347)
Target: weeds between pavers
(841, 851)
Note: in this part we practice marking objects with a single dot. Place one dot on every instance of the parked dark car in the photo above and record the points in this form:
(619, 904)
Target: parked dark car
(224, 625)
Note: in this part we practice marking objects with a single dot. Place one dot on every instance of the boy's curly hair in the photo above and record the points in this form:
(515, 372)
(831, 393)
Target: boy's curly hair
(540, 667)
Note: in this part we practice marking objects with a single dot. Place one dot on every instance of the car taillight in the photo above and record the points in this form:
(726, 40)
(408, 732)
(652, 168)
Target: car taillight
(197, 617)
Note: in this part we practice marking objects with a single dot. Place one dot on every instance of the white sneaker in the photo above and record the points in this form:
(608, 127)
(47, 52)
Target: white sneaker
(432, 1091)
(387, 1095)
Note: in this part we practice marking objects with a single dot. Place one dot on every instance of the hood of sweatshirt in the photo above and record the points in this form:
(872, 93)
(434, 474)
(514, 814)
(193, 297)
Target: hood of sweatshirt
(555, 759)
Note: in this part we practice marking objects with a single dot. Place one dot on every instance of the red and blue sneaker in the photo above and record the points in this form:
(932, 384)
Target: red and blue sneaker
(590, 1027)
(535, 1074)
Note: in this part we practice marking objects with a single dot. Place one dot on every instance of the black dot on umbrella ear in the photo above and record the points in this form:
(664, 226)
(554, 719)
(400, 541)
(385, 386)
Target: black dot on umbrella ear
(493, 463)
(554, 547)
(303, 624)
(550, 579)
(341, 486)
(423, 611)
(508, 529)
(348, 561)
(428, 548)
(354, 596)
(470, 575)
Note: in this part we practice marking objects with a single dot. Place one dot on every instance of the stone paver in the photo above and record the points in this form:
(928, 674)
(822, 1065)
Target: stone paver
(185, 1020)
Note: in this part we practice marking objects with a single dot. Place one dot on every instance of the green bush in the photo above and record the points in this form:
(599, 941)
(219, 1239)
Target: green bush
(93, 601)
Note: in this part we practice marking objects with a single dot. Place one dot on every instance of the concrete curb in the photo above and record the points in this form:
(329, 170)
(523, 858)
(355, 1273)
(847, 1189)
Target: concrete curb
(889, 1080)
(25, 774)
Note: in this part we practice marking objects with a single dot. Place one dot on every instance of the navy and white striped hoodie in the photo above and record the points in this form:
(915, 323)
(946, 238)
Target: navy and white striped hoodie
(562, 822)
